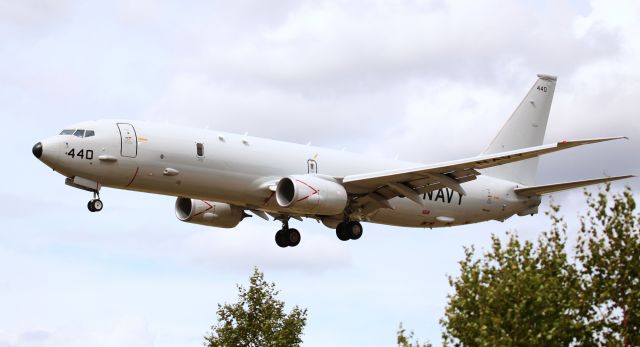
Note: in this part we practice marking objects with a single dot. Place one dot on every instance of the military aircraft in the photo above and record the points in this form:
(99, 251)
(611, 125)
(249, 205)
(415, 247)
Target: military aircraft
(218, 177)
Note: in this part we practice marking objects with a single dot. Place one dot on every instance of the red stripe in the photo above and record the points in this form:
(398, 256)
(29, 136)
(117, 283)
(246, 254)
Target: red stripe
(133, 178)
(315, 191)
(210, 207)
(269, 198)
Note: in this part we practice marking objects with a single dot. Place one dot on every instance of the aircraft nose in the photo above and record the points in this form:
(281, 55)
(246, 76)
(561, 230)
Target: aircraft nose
(37, 150)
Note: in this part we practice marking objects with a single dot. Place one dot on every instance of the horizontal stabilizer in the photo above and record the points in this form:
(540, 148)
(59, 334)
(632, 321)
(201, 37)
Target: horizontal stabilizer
(551, 188)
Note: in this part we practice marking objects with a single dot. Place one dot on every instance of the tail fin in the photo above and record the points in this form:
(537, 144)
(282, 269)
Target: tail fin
(525, 128)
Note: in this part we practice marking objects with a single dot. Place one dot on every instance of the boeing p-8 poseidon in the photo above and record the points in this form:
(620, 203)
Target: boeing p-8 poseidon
(219, 177)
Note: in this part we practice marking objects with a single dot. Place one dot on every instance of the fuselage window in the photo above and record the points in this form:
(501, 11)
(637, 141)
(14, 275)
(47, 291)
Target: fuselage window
(89, 133)
(200, 149)
(79, 133)
(67, 132)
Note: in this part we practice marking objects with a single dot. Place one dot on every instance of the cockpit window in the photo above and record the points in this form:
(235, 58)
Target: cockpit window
(78, 132)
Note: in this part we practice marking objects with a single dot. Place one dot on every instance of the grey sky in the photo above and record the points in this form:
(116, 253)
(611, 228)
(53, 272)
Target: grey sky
(424, 80)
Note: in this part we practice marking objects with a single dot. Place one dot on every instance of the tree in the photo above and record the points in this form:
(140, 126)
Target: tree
(528, 294)
(405, 340)
(257, 319)
(608, 254)
(516, 294)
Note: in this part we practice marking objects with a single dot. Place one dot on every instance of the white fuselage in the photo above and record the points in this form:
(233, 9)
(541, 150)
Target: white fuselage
(234, 169)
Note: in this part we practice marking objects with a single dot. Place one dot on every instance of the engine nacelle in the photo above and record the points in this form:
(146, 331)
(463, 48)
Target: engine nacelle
(310, 194)
(210, 213)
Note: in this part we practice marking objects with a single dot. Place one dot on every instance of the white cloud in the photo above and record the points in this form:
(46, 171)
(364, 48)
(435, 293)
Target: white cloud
(233, 250)
(339, 45)
(125, 332)
(32, 14)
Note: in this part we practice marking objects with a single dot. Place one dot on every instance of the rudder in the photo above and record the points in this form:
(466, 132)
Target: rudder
(525, 128)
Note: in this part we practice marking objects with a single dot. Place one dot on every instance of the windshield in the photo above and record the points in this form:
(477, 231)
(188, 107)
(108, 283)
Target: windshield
(78, 132)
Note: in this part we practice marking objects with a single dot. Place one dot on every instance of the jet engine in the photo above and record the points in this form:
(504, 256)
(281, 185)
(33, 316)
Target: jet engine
(311, 194)
(210, 213)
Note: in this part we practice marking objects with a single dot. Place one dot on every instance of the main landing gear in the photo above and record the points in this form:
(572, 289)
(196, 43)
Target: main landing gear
(349, 230)
(287, 237)
(95, 204)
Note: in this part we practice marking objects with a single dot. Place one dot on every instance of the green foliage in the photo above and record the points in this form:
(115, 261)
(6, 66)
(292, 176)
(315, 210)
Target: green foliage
(533, 294)
(405, 340)
(257, 319)
(518, 294)
(608, 254)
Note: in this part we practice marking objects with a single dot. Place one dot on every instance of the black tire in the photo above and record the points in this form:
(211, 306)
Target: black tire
(354, 230)
(97, 205)
(293, 237)
(341, 231)
(280, 239)
(90, 206)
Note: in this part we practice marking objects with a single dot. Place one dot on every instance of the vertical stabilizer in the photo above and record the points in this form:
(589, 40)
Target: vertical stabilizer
(525, 128)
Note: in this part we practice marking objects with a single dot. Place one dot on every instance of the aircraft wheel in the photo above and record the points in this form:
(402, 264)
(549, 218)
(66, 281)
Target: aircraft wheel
(293, 237)
(90, 206)
(354, 230)
(341, 231)
(97, 205)
(280, 238)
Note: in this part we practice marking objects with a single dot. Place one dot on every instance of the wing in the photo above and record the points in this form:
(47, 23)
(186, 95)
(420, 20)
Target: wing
(551, 188)
(373, 190)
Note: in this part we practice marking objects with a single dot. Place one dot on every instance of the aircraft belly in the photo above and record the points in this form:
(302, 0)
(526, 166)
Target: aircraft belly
(409, 214)
(444, 207)
(198, 183)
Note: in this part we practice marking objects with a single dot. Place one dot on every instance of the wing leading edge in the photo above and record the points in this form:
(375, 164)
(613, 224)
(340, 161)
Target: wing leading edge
(376, 188)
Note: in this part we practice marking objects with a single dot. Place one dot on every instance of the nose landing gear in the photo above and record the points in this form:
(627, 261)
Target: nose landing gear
(95, 204)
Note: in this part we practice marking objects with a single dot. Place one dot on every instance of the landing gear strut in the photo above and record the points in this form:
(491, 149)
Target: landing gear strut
(95, 204)
(349, 230)
(287, 237)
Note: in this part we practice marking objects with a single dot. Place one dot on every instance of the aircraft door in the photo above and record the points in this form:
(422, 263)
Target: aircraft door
(128, 140)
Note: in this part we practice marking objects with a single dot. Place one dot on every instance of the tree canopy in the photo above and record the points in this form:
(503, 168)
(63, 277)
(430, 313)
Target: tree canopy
(523, 293)
(406, 339)
(608, 255)
(257, 319)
